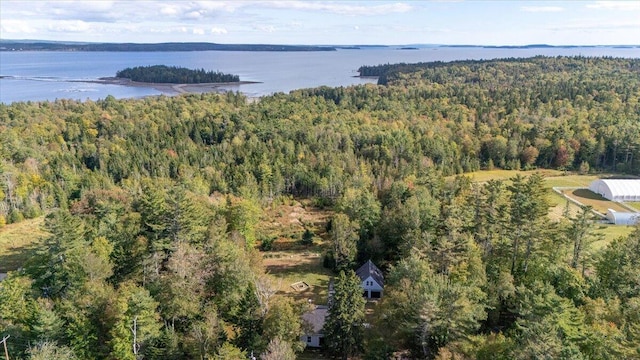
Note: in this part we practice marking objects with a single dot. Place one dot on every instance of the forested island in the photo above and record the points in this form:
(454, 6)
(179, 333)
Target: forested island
(174, 75)
(15, 45)
(173, 227)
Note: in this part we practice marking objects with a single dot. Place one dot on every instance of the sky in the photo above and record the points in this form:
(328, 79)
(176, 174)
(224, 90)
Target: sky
(470, 22)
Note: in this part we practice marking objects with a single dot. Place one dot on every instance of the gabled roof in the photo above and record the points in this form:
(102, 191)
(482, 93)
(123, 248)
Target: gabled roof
(316, 318)
(370, 269)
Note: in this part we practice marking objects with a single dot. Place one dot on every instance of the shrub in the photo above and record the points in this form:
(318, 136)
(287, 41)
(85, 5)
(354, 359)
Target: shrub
(15, 216)
(307, 238)
(267, 244)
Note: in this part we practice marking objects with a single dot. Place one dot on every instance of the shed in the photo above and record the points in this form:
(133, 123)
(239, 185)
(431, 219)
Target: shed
(372, 280)
(617, 189)
(623, 218)
(315, 318)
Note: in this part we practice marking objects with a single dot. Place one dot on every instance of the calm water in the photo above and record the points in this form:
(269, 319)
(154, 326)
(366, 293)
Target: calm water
(54, 75)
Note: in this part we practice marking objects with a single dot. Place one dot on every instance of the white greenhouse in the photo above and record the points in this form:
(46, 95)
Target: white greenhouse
(617, 189)
(622, 218)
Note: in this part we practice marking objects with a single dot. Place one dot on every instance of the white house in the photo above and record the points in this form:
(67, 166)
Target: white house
(372, 280)
(315, 319)
(622, 218)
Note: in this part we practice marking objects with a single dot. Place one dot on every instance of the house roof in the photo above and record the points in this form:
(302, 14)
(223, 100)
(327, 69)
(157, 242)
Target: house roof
(316, 318)
(370, 269)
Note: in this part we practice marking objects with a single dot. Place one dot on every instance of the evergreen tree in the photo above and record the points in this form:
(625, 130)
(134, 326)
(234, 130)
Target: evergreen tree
(344, 326)
(344, 235)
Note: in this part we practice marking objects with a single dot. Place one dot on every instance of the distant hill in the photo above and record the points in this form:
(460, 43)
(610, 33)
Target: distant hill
(536, 46)
(36, 45)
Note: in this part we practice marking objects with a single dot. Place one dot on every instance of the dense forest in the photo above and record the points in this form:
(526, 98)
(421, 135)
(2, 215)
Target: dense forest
(152, 206)
(174, 75)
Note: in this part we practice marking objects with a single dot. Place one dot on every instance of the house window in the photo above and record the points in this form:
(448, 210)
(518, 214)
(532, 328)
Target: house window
(308, 338)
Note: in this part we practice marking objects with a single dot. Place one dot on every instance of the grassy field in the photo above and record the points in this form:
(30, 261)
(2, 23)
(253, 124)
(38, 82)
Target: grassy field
(599, 203)
(559, 206)
(290, 267)
(291, 262)
(610, 233)
(635, 205)
(18, 242)
(571, 180)
(486, 175)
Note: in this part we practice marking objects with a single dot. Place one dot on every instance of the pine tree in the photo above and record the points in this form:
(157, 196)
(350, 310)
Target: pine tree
(344, 327)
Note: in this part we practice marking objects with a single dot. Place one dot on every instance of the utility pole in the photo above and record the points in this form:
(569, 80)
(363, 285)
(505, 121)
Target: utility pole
(6, 352)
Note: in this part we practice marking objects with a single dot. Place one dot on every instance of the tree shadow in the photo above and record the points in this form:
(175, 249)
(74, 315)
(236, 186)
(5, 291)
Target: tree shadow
(15, 258)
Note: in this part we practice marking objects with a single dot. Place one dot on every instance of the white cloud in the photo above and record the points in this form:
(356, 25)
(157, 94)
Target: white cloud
(356, 27)
(265, 28)
(341, 8)
(71, 26)
(542, 8)
(616, 5)
(599, 26)
(218, 30)
(168, 10)
(193, 15)
(198, 31)
(10, 26)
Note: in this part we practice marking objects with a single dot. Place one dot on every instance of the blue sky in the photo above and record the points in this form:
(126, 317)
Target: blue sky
(326, 22)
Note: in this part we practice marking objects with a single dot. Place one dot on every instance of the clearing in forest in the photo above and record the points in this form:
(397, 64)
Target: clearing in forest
(20, 241)
(287, 259)
(499, 174)
(599, 203)
(560, 206)
(608, 233)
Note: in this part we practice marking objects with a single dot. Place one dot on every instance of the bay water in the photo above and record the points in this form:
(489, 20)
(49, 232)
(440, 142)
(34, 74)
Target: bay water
(43, 75)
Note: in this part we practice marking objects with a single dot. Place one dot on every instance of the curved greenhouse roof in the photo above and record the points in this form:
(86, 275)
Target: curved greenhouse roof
(617, 189)
(623, 218)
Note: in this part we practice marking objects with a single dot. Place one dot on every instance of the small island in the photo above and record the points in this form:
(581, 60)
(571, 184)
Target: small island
(172, 80)
(162, 74)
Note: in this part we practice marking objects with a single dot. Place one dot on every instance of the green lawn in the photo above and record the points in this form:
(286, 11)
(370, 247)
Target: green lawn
(558, 205)
(635, 205)
(289, 267)
(498, 174)
(610, 233)
(18, 242)
(570, 180)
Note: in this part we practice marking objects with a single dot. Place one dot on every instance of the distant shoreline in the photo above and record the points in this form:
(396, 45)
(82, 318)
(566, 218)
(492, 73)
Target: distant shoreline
(168, 88)
(41, 45)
